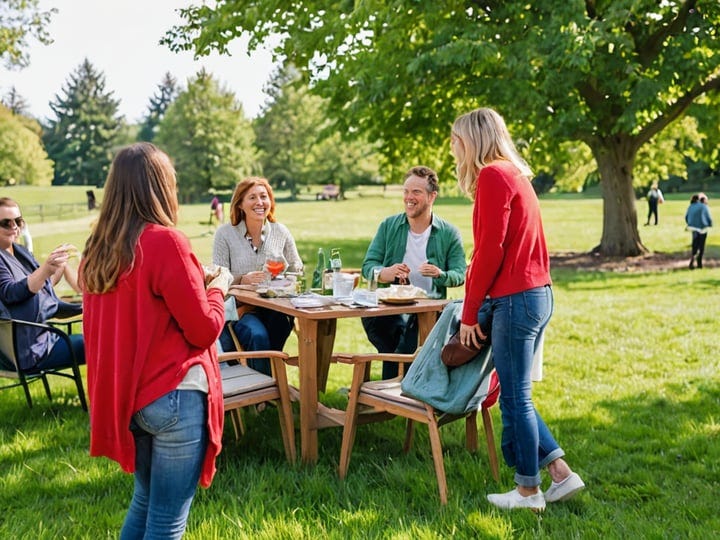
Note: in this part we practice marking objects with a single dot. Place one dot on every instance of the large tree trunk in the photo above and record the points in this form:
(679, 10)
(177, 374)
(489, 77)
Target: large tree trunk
(620, 236)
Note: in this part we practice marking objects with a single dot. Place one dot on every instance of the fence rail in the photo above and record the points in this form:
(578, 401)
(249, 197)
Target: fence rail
(51, 212)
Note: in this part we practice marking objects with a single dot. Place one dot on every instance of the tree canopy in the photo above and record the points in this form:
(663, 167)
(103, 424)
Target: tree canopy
(81, 137)
(23, 159)
(21, 20)
(210, 140)
(298, 144)
(610, 75)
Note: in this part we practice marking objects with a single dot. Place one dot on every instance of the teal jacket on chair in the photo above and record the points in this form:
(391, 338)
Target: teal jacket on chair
(452, 390)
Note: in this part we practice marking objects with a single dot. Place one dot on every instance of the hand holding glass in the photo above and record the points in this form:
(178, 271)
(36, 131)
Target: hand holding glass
(274, 266)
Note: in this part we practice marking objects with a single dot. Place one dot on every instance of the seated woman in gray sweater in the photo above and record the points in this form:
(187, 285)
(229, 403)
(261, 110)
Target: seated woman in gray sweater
(243, 246)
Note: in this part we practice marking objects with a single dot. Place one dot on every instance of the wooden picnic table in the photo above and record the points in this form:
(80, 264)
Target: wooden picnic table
(316, 338)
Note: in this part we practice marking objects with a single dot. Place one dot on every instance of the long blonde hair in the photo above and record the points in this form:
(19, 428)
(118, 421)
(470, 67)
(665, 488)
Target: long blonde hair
(482, 137)
(140, 189)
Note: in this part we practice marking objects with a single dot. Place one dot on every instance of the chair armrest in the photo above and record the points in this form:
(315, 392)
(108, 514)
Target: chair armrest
(348, 358)
(68, 309)
(49, 328)
(44, 326)
(240, 355)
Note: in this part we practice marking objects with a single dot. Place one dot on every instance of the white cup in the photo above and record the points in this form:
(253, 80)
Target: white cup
(343, 284)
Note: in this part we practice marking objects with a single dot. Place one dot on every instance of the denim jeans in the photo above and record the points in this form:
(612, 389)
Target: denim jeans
(170, 442)
(518, 322)
(259, 330)
(392, 334)
(60, 355)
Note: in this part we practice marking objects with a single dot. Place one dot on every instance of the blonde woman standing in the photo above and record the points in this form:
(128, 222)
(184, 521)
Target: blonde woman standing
(510, 265)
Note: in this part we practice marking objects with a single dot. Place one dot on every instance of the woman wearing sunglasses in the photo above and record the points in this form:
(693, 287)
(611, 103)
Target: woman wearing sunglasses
(26, 293)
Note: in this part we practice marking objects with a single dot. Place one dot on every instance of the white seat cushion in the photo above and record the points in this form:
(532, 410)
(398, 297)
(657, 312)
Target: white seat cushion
(390, 389)
(239, 378)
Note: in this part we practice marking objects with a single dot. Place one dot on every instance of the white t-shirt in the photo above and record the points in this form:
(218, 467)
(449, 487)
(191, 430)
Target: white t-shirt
(415, 255)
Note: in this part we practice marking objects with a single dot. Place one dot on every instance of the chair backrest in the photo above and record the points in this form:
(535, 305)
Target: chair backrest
(7, 346)
(10, 359)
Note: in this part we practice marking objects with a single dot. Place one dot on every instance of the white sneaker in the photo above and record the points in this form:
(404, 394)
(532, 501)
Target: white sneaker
(513, 499)
(562, 491)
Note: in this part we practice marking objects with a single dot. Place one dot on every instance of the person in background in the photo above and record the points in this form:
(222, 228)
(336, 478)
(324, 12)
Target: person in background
(243, 246)
(26, 293)
(654, 198)
(698, 221)
(216, 210)
(510, 264)
(26, 237)
(150, 325)
(414, 247)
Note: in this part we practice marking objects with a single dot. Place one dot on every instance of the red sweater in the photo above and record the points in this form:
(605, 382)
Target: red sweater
(509, 253)
(142, 337)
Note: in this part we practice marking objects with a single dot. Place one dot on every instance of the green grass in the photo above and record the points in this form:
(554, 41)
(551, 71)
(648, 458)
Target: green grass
(631, 392)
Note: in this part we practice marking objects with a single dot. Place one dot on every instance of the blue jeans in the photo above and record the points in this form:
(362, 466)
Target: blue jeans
(259, 330)
(170, 441)
(518, 322)
(392, 334)
(60, 355)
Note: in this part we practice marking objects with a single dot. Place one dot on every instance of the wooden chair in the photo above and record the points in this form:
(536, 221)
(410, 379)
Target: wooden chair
(376, 401)
(10, 365)
(243, 386)
(235, 416)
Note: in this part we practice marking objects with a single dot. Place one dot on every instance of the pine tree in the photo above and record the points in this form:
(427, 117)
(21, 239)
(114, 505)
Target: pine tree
(14, 101)
(167, 92)
(81, 138)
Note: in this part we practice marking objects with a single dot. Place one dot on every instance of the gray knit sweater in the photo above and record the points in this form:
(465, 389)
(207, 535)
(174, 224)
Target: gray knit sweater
(232, 250)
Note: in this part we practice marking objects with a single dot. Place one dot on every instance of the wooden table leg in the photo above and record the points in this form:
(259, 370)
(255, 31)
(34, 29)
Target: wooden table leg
(426, 321)
(308, 366)
(325, 344)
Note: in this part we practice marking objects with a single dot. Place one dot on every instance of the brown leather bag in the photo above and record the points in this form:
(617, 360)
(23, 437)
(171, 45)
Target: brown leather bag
(454, 353)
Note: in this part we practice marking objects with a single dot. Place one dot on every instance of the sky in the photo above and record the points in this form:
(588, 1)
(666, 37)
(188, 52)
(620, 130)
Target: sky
(120, 38)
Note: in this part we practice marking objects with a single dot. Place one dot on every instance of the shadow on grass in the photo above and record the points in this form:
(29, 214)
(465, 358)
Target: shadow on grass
(646, 452)
(604, 280)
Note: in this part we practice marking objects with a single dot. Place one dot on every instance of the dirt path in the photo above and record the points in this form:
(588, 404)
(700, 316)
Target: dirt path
(653, 262)
(81, 224)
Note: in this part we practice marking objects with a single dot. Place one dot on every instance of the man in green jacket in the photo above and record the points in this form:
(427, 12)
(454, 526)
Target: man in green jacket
(415, 247)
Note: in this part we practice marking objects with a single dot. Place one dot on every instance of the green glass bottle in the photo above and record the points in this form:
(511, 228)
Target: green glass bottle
(327, 279)
(317, 277)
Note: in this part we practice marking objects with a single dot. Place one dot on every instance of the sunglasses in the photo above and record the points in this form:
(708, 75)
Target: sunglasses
(7, 223)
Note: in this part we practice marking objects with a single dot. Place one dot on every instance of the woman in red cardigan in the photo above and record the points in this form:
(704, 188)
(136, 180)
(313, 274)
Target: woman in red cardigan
(510, 265)
(150, 327)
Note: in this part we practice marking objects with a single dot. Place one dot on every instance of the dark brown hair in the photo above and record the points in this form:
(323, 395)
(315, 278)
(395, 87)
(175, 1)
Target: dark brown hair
(140, 189)
(428, 174)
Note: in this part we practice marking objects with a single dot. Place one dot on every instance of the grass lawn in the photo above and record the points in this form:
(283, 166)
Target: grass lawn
(631, 391)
